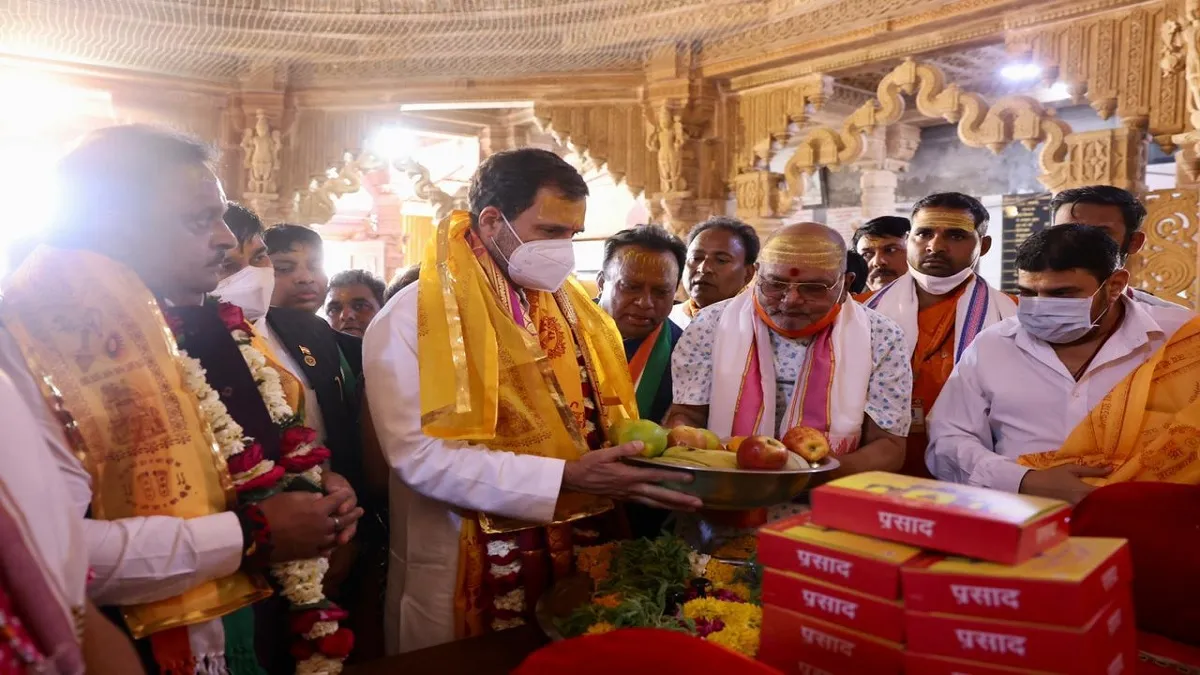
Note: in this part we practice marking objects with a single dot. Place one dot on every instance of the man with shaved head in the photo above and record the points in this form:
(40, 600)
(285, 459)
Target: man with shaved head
(737, 367)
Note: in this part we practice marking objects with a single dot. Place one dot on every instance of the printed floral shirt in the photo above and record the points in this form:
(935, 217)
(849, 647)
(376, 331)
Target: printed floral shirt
(889, 391)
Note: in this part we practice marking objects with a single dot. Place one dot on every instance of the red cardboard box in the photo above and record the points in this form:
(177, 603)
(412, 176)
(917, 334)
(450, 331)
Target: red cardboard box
(923, 664)
(969, 521)
(1064, 586)
(795, 643)
(1029, 646)
(1158, 653)
(835, 604)
(849, 560)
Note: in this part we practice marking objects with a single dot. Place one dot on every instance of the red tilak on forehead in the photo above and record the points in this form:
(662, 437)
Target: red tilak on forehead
(794, 272)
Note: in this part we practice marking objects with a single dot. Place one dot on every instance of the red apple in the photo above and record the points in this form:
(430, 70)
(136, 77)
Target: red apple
(692, 437)
(762, 453)
(807, 442)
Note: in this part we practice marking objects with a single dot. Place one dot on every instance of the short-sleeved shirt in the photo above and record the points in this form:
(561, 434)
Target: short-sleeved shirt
(889, 390)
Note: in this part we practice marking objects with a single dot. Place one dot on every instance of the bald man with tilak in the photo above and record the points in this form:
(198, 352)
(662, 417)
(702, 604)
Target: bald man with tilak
(736, 367)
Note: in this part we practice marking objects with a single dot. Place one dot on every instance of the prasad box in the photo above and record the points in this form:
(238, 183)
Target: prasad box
(855, 562)
(976, 522)
(835, 604)
(1038, 647)
(800, 644)
(1064, 586)
(924, 664)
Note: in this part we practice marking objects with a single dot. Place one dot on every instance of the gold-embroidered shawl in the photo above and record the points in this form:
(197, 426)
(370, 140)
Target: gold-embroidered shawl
(93, 335)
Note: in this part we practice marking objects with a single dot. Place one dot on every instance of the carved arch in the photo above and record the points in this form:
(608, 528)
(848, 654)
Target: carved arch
(1010, 119)
(609, 135)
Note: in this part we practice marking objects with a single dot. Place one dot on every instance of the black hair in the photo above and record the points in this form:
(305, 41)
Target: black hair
(284, 237)
(1132, 210)
(402, 279)
(360, 278)
(510, 181)
(959, 201)
(114, 170)
(1070, 247)
(244, 223)
(651, 237)
(883, 226)
(858, 265)
(746, 233)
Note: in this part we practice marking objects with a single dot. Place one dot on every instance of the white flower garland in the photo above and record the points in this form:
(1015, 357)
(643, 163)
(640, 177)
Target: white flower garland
(301, 580)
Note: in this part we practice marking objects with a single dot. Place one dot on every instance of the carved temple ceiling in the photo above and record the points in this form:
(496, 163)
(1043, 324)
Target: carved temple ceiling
(315, 42)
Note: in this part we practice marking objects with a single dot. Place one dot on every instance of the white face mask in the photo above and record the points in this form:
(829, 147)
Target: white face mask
(1058, 320)
(540, 265)
(250, 288)
(939, 285)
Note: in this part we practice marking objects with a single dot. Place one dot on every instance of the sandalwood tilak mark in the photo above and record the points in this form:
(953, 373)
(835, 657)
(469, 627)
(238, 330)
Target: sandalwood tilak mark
(562, 211)
(944, 219)
(648, 261)
(803, 251)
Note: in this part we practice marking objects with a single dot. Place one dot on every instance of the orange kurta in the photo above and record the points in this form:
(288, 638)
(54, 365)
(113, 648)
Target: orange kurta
(932, 363)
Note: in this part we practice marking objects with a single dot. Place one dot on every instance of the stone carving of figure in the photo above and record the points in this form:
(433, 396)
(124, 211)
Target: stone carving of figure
(262, 147)
(667, 138)
(1191, 43)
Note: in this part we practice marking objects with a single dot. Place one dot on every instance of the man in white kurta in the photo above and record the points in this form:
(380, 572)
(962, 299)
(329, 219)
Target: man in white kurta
(1014, 393)
(458, 469)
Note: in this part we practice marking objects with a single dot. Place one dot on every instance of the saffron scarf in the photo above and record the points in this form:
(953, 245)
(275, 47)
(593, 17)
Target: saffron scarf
(979, 307)
(495, 374)
(649, 364)
(1147, 427)
(830, 393)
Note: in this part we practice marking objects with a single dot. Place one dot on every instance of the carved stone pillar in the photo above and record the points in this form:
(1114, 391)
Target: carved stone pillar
(878, 193)
(1108, 157)
(681, 113)
(888, 152)
(260, 132)
(762, 200)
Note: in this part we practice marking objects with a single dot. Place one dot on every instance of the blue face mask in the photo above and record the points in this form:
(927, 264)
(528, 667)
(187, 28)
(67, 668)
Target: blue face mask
(1058, 320)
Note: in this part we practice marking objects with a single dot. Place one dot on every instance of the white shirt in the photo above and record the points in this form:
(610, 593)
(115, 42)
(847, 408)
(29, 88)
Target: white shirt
(312, 408)
(431, 481)
(679, 316)
(140, 559)
(1010, 395)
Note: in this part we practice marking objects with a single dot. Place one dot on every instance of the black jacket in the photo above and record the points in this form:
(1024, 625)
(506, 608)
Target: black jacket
(318, 350)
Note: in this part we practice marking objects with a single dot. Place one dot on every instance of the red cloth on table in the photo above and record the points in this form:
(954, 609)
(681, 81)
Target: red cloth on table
(639, 651)
(1162, 523)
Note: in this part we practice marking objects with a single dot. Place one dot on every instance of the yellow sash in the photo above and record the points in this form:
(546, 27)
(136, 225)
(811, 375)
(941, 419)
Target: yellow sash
(93, 335)
(485, 379)
(1148, 427)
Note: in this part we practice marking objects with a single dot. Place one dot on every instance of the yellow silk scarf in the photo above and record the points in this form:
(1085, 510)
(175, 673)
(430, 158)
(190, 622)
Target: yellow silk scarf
(1148, 427)
(486, 379)
(93, 335)
(510, 385)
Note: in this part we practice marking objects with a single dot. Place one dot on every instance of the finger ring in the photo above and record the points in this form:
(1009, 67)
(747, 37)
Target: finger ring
(337, 524)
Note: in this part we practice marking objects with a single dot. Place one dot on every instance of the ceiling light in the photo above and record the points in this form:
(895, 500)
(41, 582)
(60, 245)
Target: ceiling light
(1021, 72)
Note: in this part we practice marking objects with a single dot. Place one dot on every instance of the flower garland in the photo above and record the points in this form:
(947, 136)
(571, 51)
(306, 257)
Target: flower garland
(324, 645)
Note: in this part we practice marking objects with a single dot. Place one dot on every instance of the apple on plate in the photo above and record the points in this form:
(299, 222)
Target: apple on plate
(652, 436)
(762, 453)
(692, 437)
(809, 443)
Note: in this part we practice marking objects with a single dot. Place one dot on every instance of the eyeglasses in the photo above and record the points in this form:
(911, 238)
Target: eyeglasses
(806, 290)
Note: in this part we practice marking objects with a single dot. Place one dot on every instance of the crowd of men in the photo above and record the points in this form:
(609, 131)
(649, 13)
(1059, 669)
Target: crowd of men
(150, 341)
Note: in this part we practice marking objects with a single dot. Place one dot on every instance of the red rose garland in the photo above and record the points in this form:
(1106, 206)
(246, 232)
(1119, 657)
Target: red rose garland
(322, 645)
